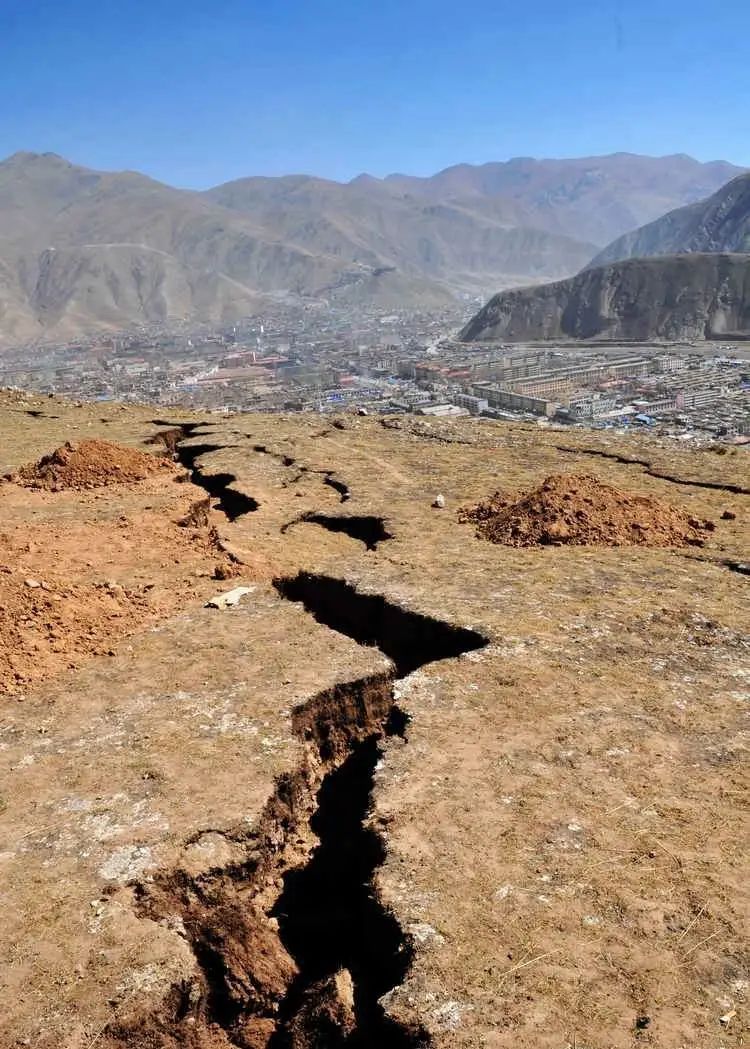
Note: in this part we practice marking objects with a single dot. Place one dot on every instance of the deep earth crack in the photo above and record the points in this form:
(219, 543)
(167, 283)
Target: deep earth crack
(231, 501)
(329, 476)
(406, 637)
(304, 968)
(367, 528)
(719, 486)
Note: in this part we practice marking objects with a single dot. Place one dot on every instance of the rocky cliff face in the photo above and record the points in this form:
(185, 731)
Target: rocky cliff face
(698, 296)
(719, 223)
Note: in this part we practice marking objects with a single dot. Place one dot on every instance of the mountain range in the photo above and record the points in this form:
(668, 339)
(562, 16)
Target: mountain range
(684, 276)
(84, 250)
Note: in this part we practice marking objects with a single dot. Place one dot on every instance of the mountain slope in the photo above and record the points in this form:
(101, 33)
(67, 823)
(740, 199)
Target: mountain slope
(671, 297)
(591, 198)
(720, 223)
(81, 250)
(523, 219)
(463, 243)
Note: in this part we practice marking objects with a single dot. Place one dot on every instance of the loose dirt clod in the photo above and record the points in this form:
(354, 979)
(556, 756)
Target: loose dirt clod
(226, 570)
(580, 510)
(89, 464)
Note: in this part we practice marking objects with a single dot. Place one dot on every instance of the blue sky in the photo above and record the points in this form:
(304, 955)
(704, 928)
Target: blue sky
(196, 92)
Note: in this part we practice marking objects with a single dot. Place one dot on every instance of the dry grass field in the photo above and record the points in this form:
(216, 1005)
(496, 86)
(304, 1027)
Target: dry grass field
(415, 789)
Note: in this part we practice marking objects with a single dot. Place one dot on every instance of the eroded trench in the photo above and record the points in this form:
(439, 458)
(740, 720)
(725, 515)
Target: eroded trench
(293, 947)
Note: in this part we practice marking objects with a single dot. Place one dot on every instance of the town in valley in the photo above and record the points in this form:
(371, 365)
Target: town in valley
(315, 357)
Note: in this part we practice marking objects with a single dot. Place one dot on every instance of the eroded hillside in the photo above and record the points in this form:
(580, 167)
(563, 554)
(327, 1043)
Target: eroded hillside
(672, 297)
(416, 787)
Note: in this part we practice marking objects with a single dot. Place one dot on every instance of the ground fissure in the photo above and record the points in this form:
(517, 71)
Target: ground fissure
(366, 528)
(304, 965)
(648, 468)
(569, 797)
(219, 484)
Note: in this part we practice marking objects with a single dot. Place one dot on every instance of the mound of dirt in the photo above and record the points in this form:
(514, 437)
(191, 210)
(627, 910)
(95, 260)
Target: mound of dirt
(89, 464)
(580, 510)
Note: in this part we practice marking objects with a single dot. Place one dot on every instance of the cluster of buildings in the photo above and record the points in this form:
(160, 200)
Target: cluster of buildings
(682, 388)
(318, 358)
(291, 358)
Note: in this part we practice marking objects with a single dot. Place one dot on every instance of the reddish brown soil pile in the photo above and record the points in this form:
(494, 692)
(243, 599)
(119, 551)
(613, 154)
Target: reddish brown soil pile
(579, 510)
(50, 626)
(89, 464)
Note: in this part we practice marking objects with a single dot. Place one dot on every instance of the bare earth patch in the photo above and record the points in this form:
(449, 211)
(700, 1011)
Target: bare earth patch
(80, 570)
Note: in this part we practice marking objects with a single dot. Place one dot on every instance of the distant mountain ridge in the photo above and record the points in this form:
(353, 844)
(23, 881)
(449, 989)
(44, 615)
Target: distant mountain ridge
(590, 198)
(461, 243)
(719, 223)
(695, 297)
(84, 250)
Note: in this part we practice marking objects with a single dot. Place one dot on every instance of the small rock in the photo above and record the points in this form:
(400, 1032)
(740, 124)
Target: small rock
(33, 584)
(425, 935)
(729, 515)
(439, 502)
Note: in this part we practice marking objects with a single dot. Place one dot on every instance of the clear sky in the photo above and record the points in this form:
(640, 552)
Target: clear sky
(196, 92)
